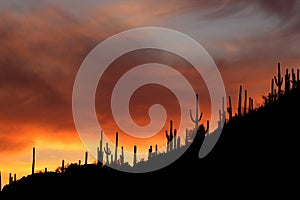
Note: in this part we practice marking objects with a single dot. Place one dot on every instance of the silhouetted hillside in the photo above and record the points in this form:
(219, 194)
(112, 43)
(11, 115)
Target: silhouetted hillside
(258, 149)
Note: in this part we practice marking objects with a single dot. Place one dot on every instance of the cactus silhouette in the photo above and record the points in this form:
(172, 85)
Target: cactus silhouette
(229, 109)
(111, 159)
(33, 160)
(294, 81)
(100, 149)
(279, 80)
(287, 81)
(116, 147)
(134, 155)
(250, 106)
(197, 118)
(178, 142)
(245, 103)
(62, 165)
(170, 137)
(156, 149)
(240, 102)
(107, 152)
(150, 152)
(0, 182)
(202, 129)
(86, 158)
(122, 156)
(271, 94)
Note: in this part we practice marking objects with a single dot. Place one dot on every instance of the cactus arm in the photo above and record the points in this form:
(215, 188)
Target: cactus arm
(168, 137)
(191, 116)
(207, 126)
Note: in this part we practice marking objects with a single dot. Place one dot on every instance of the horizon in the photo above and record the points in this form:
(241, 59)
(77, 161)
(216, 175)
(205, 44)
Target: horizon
(43, 45)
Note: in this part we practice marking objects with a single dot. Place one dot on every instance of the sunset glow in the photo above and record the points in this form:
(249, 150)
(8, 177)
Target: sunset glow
(43, 44)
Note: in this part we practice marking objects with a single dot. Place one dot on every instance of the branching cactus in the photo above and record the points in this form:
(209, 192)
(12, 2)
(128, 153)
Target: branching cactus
(279, 80)
(170, 137)
(107, 151)
(100, 149)
(202, 129)
(197, 118)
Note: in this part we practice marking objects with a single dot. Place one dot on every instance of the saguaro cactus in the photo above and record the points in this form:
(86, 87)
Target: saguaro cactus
(178, 142)
(0, 182)
(294, 81)
(33, 160)
(170, 137)
(197, 118)
(100, 150)
(240, 102)
(250, 104)
(271, 94)
(245, 103)
(111, 159)
(86, 158)
(122, 156)
(287, 81)
(229, 109)
(116, 147)
(134, 155)
(279, 80)
(150, 152)
(62, 165)
(107, 152)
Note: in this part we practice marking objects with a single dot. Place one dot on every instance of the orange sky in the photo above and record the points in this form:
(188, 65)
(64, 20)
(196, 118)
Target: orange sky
(42, 46)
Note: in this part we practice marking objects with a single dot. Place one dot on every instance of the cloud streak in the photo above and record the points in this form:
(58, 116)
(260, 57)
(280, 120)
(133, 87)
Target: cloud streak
(44, 43)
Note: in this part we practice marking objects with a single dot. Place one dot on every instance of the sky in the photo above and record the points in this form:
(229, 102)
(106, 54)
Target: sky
(43, 44)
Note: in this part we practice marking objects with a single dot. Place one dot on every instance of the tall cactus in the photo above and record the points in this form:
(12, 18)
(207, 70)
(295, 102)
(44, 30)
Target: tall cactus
(279, 80)
(116, 147)
(197, 118)
(86, 158)
(156, 150)
(287, 81)
(250, 106)
(122, 156)
(178, 142)
(240, 102)
(294, 81)
(229, 109)
(33, 160)
(170, 137)
(100, 149)
(62, 165)
(272, 95)
(111, 159)
(150, 152)
(245, 103)
(107, 152)
(223, 113)
(134, 155)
